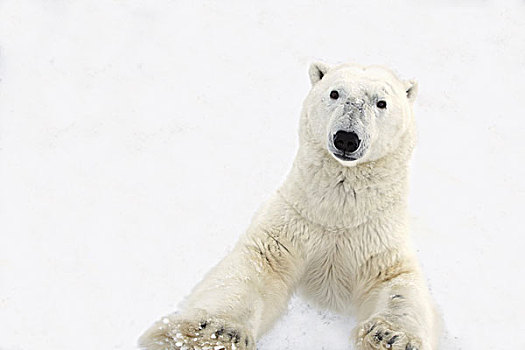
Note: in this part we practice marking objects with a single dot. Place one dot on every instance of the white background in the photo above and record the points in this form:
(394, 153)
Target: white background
(137, 138)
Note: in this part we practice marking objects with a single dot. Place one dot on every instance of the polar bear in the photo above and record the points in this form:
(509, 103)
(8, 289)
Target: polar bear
(336, 230)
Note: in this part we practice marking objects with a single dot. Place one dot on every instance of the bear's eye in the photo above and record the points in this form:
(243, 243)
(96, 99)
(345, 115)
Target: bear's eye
(381, 104)
(334, 95)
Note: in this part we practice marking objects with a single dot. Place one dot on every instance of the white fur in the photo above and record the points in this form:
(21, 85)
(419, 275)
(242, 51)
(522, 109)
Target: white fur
(336, 231)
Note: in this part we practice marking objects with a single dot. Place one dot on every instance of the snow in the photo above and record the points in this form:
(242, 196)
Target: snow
(138, 138)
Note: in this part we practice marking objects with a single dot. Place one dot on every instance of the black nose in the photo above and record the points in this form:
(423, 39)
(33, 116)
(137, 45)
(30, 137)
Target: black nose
(346, 141)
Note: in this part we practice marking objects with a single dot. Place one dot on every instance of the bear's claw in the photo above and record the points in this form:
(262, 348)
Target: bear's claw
(177, 333)
(380, 334)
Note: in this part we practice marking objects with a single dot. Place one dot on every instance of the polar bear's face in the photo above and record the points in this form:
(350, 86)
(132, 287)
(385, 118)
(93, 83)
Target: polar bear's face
(357, 113)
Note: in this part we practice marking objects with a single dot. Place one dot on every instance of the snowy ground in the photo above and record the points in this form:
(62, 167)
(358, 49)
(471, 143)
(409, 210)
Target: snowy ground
(137, 139)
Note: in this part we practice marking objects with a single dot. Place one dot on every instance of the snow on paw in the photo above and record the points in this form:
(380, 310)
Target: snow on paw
(380, 334)
(203, 333)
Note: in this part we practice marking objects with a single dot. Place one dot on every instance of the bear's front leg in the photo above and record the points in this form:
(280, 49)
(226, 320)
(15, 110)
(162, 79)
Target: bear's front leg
(397, 313)
(236, 302)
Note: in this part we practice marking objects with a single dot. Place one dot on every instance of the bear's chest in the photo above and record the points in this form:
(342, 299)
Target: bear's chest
(338, 263)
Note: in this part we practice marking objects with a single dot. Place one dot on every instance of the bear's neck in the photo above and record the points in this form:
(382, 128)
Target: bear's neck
(328, 194)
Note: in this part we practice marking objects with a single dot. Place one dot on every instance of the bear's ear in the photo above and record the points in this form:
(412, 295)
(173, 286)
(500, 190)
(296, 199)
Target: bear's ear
(411, 90)
(317, 71)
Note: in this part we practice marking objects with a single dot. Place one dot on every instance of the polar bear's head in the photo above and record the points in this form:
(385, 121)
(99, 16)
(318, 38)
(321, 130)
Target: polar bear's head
(358, 114)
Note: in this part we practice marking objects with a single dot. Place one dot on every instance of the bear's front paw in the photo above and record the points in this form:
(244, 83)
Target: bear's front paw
(176, 332)
(377, 333)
